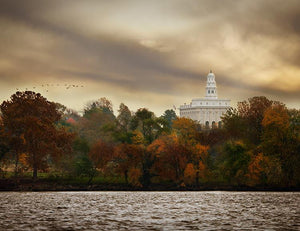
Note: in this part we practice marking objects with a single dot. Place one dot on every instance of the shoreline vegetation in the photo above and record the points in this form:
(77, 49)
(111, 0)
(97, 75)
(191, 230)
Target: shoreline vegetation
(44, 185)
(44, 146)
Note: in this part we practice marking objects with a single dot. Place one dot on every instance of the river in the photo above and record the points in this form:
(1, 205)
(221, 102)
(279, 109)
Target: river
(149, 210)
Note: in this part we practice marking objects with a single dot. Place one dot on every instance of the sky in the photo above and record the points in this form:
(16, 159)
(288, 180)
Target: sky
(152, 54)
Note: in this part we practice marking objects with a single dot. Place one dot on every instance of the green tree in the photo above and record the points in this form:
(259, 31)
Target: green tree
(150, 126)
(169, 116)
(124, 117)
(235, 163)
(74, 163)
(97, 120)
(122, 131)
(234, 124)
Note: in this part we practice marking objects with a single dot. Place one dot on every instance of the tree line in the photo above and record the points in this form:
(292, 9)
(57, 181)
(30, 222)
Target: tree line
(257, 145)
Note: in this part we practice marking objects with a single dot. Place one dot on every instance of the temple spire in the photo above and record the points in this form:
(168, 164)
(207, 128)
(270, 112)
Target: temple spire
(211, 86)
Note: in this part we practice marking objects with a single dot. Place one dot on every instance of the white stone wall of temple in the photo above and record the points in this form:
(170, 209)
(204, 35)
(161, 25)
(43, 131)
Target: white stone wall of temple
(209, 110)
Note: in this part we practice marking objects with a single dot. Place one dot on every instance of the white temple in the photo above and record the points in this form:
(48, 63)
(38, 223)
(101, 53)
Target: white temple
(207, 111)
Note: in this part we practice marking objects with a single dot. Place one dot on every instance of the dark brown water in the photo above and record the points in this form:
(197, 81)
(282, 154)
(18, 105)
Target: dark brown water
(149, 211)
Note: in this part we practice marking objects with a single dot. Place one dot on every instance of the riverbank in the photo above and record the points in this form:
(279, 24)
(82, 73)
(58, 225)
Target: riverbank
(27, 185)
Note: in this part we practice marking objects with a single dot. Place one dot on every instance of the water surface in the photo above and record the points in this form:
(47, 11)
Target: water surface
(149, 210)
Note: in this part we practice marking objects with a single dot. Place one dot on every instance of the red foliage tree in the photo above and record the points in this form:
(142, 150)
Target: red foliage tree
(127, 157)
(101, 153)
(29, 120)
(171, 158)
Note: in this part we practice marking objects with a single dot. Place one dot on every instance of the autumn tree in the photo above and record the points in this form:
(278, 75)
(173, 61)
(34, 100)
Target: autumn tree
(256, 169)
(4, 148)
(97, 119)
(276, 126)
(197, 167)
(31, 118)
(180, 153)
(281, 140)
(148, 128)
(245, 122)
(200, 159)
(186, 129)
(129, 160)
(190, 174)
(294, 117)
(13, 135)
(171, 157)
(212, 137)
(253, 113)
(100, 154)
(135, 175)
(103, 104)
(15, 142)
(69, 117)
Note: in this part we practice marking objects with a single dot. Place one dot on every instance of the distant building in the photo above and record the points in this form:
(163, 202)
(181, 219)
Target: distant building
(207, 111)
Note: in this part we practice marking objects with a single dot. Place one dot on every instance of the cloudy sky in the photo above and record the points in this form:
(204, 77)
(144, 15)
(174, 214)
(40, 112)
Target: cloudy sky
(152, 54)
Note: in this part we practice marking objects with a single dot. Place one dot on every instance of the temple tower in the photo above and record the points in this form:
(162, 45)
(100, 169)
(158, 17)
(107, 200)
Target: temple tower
(208, 110)
(211, 86)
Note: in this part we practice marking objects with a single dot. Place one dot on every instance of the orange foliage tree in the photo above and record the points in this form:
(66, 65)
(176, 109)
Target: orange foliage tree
(200, 158)
(31, 118)
(128, 157)
(256, 169)
(190, 174)
(281, 142)
(171, 158)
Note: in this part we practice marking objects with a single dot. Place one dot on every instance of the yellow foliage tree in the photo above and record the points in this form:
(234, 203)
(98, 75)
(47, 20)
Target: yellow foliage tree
(186, 130)
(255, 169)
(189, 174)
(138, 137)
(280, 142)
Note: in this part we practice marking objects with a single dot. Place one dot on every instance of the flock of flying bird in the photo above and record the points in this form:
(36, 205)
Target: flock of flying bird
(67, 86)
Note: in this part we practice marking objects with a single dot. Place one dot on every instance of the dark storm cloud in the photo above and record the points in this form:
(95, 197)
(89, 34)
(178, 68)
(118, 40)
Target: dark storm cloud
(278, 20)
(111, 52)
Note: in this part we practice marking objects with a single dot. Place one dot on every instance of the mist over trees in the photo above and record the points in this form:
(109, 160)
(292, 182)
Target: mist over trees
(258, 144)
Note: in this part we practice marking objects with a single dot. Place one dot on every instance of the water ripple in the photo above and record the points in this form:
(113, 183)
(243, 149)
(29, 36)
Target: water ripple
(150, 211)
